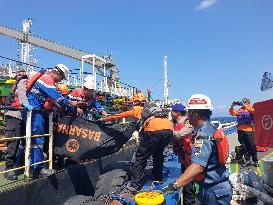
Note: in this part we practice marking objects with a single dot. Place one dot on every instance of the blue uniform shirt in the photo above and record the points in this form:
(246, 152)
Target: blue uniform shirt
(44, 88)
(205, 153)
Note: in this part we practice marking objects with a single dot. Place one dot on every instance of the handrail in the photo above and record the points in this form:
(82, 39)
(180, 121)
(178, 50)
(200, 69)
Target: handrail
(229, 125)
(3, 139)
(28, 141)
(22, 109)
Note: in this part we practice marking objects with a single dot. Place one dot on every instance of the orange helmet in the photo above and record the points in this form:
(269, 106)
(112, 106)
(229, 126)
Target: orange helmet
(139, 97)
(63, 89)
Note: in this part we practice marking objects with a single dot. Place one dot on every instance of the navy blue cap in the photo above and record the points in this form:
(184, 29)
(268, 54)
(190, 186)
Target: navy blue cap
(178, 107)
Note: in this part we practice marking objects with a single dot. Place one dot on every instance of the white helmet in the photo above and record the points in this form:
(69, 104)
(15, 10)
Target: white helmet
(31, 74)
(62, 69)
(89, 82)
(199, 102)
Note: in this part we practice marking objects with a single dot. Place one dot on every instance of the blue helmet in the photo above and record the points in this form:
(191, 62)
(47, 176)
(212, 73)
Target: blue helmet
(178, 107)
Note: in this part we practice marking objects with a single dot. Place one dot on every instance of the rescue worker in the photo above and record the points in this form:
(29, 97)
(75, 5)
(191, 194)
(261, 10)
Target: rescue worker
(138, 101)
(245, 120)
(15, 126)
(155, 136)
(182, 145)
(86, 94)
(16, 119)
(42, 90)
(207, 168)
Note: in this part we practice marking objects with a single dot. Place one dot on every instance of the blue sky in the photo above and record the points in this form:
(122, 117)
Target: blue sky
(215, 47)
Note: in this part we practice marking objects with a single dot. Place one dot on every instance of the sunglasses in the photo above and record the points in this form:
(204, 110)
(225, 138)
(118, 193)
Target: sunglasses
(190, 113)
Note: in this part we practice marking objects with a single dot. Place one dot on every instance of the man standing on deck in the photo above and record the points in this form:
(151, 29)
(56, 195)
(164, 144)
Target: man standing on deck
(15, 126)
(155, 135)
(182, 145)
(245, 120)
(16, 120)
(207, 162)
(86, 94)
(44, 90)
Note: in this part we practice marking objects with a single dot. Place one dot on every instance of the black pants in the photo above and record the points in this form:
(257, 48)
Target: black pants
(188, 191)
(151, 144)
(14, 128)
(247, 141)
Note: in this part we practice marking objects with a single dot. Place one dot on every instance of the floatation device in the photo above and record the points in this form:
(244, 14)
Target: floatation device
(149, 198)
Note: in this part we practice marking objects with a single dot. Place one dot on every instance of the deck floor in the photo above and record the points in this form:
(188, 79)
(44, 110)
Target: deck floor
(173, 167)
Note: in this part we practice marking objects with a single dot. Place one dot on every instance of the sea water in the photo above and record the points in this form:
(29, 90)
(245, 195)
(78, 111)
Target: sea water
(224, 120)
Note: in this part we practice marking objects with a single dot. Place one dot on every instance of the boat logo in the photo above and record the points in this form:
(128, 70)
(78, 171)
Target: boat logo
(72, 145)
(267, 122)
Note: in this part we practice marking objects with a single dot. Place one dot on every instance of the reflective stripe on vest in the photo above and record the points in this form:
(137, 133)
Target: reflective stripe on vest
(244, 117)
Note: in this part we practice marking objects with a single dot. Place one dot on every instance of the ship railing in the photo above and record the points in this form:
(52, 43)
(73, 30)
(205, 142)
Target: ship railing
(229, 125)
(28, 138)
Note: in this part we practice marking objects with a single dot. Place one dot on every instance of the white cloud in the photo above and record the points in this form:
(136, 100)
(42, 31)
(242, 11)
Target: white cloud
(205, 4)
(221, 107)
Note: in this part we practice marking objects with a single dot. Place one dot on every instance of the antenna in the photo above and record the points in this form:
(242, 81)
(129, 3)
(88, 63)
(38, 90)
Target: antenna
(26, 47)
(166, 89)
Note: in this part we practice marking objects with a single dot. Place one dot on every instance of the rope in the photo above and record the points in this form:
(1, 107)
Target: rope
(243, 191)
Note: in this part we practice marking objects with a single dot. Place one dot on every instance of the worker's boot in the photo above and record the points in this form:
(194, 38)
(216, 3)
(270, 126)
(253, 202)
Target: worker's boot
(11, 176)
(46, 172)
(256, 164)
(40, 173)
(247, 163)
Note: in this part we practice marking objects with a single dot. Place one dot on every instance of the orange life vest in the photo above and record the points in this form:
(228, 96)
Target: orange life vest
(184, 143)
(222, 148)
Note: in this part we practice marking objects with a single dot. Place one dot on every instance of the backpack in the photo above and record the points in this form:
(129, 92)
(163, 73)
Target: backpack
(152, 110)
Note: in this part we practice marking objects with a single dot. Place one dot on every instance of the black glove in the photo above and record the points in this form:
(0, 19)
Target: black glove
(100, 122)
(171, 188)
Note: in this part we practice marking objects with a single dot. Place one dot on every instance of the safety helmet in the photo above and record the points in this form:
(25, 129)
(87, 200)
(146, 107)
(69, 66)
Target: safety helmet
(138, 97)
(89, 82)
(178, 107)
(61, 68)
(63, 89)
(199, 102)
